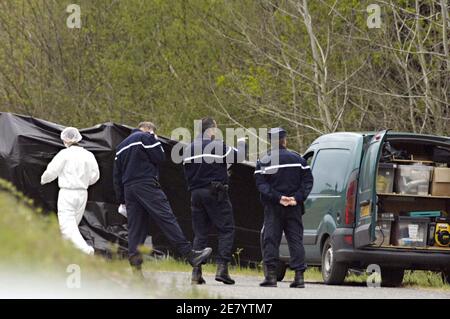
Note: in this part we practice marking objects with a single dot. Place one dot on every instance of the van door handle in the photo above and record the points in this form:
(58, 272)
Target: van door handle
(365, 202)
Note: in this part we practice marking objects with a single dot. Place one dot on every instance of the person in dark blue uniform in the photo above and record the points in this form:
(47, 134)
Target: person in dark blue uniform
(284, 180)
(206, 163)
(136, 184)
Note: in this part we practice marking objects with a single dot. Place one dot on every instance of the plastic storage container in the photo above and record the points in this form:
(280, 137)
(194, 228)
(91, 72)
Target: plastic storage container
(387, 216)
(385, 177)
(413, 179)
(412, 232)
(383, 233)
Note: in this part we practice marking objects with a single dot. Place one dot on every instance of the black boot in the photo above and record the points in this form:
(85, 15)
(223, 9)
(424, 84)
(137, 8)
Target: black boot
(197, 278)
(222, 274)
(136, 266)
(299, 280)
(270, 280)
(198, 257)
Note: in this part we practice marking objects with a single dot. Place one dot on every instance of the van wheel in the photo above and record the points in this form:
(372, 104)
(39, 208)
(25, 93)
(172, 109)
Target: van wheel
(281, 270)
(446, 277)
(333, 272)
(392, 277)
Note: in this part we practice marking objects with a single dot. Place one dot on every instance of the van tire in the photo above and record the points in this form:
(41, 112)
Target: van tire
(281, 270)
(333, 272)
(392, 277)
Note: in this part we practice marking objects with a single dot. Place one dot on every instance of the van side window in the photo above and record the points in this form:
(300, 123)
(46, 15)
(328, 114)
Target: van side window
(330, 171)
(309, 157)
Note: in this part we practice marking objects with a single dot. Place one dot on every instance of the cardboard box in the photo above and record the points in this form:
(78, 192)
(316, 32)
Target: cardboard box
(440, 185)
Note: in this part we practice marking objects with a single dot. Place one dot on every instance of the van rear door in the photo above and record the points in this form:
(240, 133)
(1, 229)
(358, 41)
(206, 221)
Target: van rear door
(367, 195)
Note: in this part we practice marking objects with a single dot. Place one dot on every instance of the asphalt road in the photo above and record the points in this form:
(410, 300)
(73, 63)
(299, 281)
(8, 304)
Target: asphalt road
(247, 287)
(176, 284)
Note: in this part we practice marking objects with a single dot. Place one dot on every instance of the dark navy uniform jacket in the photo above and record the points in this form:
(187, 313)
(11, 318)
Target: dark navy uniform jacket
(207, 161)
(283, 173)
(137, 160)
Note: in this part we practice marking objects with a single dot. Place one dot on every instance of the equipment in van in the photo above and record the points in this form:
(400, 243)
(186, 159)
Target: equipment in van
(432, 213)
(383, 229)
(431, 233)
(442, 235)
(413, 179)
(383, 233)
(389, 153)
(411, 232)
(440, 185)
(388, 216)
(441, 155)
(385, 177)
(439, 232)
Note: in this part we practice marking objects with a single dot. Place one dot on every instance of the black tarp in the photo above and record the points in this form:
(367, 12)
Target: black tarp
(27, 145)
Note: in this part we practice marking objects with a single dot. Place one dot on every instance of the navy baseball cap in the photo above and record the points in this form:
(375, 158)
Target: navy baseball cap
(277, 131)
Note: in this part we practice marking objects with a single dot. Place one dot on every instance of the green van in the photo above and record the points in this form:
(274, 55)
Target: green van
(343, 210)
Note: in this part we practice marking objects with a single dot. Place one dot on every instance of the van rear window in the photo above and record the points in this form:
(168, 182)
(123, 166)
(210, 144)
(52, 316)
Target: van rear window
(330, 171)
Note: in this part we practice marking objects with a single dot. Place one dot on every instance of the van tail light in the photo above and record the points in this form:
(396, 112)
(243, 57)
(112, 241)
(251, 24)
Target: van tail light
(350, 199)
(348, 239)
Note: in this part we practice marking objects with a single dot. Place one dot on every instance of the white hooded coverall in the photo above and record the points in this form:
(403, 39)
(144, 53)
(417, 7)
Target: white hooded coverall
(76, 170)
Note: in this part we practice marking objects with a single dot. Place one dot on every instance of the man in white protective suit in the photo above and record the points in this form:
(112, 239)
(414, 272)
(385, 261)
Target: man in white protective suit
(76, 170)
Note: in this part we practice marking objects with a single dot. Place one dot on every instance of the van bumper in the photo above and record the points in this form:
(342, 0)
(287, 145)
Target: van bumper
(388, 257)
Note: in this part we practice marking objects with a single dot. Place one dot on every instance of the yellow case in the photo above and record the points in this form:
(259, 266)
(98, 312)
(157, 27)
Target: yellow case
(441, 227)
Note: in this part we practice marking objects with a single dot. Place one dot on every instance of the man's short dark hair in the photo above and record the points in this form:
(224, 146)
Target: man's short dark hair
(207, 123)
(147, 125)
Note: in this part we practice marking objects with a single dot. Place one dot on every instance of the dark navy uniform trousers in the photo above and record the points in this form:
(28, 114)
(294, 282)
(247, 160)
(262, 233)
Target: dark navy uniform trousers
(144, 201)
(278, 218)
(208, 210)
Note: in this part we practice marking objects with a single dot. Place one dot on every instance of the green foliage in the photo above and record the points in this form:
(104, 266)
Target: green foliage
(176, 61)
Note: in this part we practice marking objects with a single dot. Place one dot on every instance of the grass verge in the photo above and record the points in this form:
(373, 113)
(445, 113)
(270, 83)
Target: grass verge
(35, 262)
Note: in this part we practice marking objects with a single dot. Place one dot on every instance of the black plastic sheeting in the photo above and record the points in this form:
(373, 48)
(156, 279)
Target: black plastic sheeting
(27, 145)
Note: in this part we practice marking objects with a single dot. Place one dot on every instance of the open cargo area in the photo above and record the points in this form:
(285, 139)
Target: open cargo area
(413, 189)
